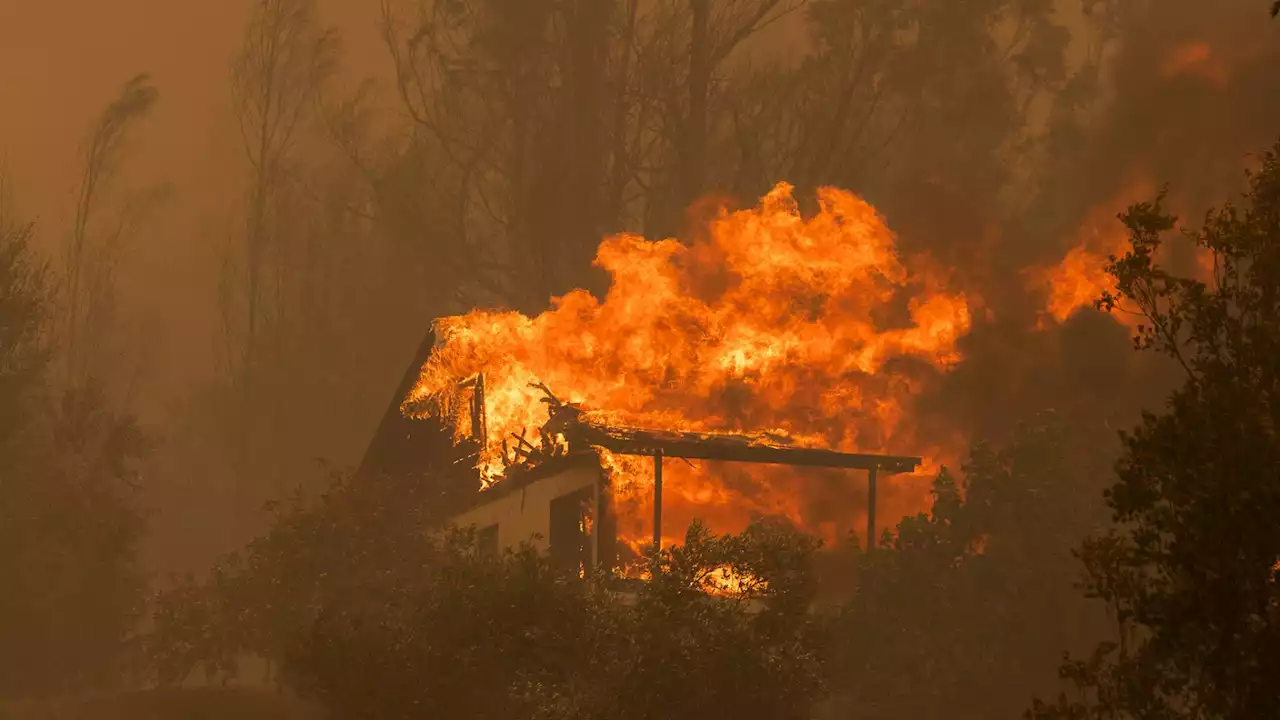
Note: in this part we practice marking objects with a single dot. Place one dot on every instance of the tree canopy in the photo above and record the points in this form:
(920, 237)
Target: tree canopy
(366, 608)
(377, 615)
(1190, 570)
(962, 612)
(70, 592)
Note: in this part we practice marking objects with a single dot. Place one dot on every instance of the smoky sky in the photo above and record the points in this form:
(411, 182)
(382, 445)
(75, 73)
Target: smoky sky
(61, 61)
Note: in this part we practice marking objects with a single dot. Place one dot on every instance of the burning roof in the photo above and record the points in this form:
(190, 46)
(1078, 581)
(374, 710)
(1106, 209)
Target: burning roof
(773, 337)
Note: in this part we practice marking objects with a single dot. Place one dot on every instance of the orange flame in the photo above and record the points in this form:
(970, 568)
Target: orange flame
(1195, 59)
(1079, 279)
(1077, 282)
(813, 328)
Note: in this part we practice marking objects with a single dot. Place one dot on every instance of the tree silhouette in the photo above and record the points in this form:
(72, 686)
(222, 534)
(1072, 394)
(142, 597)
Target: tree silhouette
(959, 611)
(94, 244)
(25, 306)
(374, 611)
(70, 591)
(1190, 573)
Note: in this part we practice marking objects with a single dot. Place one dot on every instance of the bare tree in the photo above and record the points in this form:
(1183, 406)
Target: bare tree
(554, 122)
(507, 100)
(92, 249)
(284, 59)
(713, 37)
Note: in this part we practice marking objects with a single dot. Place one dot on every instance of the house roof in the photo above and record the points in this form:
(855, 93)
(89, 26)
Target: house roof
(733, 448)
(419, 451)
(422, 450)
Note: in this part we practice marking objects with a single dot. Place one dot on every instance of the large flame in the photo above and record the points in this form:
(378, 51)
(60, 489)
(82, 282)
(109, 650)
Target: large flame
(813, 328)
(1080, 278)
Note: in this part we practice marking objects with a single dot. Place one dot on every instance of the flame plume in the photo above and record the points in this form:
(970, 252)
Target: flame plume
(811, 328)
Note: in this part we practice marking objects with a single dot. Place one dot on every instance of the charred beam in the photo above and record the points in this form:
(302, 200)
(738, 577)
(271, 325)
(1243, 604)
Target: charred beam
(730, 448)
(478, 414)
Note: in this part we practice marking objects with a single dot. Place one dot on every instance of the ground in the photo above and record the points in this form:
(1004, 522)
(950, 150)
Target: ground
(175, 704)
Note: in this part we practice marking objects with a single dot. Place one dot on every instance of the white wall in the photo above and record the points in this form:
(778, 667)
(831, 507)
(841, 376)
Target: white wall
(524, 515)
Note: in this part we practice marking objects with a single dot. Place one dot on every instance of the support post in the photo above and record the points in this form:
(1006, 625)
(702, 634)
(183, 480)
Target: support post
(657, 500)
(479, 432)
(871, 507)
(595, 525)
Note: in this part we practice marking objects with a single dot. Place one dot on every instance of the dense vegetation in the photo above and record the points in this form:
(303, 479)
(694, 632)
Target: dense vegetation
(70, 589)
(1190, 571)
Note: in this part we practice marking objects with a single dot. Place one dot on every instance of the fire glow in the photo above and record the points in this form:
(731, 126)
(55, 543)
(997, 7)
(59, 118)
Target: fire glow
(1081, 277)
(808, 328)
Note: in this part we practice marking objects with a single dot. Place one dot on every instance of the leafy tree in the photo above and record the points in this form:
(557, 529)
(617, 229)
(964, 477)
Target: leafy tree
(69, 519)
(73, 590)
(722, 626)
(68, 522)
(1190, 574)
(24, 314)
(958, 613)
(373, 611)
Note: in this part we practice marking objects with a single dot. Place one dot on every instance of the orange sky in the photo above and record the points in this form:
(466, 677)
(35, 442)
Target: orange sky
(61, 61)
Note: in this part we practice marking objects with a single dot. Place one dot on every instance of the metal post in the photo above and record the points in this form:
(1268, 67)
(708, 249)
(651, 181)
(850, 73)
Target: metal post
(657, 500)
(871, 507)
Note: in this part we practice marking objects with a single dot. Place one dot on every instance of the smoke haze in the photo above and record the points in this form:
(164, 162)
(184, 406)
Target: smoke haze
(1202, 73)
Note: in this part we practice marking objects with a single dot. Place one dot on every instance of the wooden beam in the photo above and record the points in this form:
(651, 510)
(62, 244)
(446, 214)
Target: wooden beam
(732, 448)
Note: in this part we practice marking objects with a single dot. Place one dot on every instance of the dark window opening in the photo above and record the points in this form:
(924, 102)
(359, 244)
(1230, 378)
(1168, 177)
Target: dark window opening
(571, 531)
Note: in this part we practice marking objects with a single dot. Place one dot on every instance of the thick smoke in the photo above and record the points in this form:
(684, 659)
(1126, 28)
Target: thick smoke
(1188, 93)
(1187, 90)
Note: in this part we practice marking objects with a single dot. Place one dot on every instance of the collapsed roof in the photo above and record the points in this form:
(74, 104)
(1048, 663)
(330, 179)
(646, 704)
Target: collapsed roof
(404, 445)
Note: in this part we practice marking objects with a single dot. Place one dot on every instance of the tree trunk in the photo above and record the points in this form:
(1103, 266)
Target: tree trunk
(620, 159)
(694, 153)
(582, 200)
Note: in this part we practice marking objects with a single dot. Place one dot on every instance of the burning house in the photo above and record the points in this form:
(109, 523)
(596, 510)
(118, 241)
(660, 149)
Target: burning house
(740, 376)
(555, 491)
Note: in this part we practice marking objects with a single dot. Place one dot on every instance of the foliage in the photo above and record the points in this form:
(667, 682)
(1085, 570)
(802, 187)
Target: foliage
(749, 649)
(374, 614)
(959, 612)
(24, 315)
(69, 525)
(1190, 574)
(72, 591)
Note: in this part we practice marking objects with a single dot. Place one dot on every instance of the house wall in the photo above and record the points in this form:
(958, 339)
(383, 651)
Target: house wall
(524, 514)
